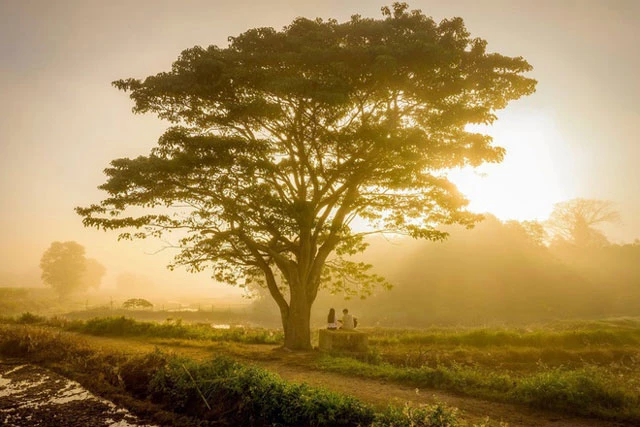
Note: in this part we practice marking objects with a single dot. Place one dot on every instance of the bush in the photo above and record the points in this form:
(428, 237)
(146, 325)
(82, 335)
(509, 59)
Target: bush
(29, 318)
(125, 326)
(585, 391)
(582, 335)
(235, 394)
(251, 396)
(438, 415)
(137, 373)
(589, 391)
(39, 345)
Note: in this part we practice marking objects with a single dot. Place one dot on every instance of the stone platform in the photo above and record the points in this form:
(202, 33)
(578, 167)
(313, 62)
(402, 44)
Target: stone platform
(342, 340)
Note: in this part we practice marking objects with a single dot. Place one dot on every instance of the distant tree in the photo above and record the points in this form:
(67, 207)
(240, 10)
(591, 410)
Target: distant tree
(575, 221)
(63, 267)
(94, 271)
(283, 138)
(136, 303)
(66, 270)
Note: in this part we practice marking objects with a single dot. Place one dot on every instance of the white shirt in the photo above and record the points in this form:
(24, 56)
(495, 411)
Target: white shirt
(347, 322)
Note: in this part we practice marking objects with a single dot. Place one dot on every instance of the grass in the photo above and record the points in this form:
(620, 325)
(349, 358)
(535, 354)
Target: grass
(567, 335)
(173, 390)
(122, 326)
(589, 391)
(582, 368)
(127, 327)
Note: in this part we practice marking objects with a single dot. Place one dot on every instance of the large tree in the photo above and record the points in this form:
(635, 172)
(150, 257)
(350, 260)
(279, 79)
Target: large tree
(575, 221)
(63, 267)
(283, 138)
(66, 269)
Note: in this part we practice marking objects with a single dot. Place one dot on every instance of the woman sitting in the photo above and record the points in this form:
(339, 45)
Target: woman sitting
(331, 320)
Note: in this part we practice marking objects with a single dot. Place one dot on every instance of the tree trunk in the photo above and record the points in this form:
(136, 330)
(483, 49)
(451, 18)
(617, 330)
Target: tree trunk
(297, 335)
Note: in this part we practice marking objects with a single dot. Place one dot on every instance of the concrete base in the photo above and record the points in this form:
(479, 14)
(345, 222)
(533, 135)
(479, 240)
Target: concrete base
(339, 340)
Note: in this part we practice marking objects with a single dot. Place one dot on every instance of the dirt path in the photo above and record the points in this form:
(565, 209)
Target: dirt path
(34, 396)
(295, 367)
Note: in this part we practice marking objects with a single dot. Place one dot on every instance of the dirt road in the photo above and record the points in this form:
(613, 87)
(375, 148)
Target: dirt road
(295, 367)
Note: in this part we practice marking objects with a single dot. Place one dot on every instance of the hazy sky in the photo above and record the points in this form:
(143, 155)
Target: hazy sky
(61, 122)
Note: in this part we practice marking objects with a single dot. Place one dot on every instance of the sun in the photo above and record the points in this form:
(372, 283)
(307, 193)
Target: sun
(527, 183)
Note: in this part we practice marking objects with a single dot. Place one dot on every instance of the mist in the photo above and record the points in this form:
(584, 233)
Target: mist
(498, 273)
(207, 211)
(494, 274)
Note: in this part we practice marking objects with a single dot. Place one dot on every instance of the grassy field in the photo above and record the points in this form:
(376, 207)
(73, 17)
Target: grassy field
(590, 368)
(177, 391)
(585, 368)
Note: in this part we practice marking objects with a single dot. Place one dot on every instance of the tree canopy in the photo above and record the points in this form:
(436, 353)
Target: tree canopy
(66, 270)
(575, 221)
(282, 139)
(137, 303)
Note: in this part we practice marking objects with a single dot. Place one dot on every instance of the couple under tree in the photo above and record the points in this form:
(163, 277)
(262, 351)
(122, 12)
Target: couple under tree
(348, 322)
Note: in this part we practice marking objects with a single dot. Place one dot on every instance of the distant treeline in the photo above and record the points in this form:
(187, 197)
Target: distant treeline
(495, 273)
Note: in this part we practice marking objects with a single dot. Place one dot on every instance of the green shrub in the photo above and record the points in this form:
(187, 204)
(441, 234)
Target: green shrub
(252, 396)
(602, 334)
(29, 318)
(235, 394)
(585, 391)
(39, 344)
(137, 373)
(438, 415)
(124, 326)
(589, 391)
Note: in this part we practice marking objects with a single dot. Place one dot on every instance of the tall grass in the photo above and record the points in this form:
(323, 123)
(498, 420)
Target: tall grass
(219, 391)
(588, 368)
(518, 359)
(128, 327)
(485, 337)
(122, 326)
(589, 391)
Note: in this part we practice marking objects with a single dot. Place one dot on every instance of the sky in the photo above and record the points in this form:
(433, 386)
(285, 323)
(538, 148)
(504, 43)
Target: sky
(61, 121)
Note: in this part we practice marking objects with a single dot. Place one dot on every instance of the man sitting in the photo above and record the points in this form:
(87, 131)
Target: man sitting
(347, 321)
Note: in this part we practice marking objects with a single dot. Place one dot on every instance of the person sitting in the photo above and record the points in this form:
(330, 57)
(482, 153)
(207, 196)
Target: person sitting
(347, 321)
(331, 320)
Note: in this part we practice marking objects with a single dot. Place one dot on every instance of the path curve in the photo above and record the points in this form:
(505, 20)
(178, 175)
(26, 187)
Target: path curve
(294, 367)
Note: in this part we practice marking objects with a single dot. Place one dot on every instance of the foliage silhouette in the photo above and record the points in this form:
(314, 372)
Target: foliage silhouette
(65, 268)
(282, 139)
(137, 303)
(573, 221)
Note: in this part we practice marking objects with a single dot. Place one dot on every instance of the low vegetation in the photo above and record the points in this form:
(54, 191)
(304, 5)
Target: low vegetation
(584, 368)
(127, 327)
(593, 391)
(123, 326)
(14, 301)
(179, 391)
(562, 334)
(589, 368)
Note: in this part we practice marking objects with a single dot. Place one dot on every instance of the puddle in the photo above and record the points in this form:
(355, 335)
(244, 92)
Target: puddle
(33, 396)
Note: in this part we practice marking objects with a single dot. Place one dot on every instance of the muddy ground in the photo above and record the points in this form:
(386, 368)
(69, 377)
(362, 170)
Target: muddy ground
(36, 397)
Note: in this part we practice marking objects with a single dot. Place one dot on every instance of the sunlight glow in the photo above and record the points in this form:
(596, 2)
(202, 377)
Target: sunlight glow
(526, 184)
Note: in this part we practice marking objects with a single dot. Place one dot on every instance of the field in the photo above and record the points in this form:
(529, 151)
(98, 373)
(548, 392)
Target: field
(590, 369)
(577, 371)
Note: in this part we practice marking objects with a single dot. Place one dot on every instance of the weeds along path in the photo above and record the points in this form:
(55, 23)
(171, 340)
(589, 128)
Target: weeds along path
(299, 367)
